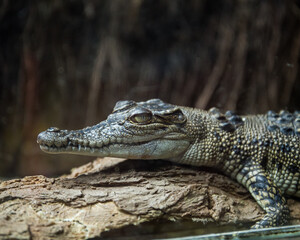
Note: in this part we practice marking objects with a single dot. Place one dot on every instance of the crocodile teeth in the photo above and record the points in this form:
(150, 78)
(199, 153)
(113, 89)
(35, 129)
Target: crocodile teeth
(79, 147)
(58, 144)
(54, 149)
(106, 141)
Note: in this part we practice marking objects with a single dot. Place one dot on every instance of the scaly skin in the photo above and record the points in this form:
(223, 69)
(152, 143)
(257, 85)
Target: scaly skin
(260, 151)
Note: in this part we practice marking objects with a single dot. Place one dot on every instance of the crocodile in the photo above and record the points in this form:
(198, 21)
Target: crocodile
(261, 152)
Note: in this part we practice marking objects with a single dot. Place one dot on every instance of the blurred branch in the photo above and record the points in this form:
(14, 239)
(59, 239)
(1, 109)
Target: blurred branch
(226, 36)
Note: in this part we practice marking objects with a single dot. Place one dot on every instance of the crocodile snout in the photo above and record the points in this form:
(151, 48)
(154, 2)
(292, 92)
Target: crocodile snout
(53, 136)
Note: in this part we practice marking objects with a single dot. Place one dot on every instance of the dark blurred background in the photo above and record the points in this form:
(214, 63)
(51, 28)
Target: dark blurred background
(66, 63)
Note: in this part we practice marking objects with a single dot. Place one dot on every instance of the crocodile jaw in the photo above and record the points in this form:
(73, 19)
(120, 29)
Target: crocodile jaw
(84, 142)
(155, 149)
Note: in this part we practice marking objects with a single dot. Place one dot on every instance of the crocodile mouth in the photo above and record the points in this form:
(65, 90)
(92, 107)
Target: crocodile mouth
(70, 144)
(77, 148)
(162, 144)
(157, 148)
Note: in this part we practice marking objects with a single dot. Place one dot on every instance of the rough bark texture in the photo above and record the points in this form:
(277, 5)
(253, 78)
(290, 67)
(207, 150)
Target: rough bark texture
(111, 193)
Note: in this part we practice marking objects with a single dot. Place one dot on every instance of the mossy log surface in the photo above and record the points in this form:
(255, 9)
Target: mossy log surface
(109, 194)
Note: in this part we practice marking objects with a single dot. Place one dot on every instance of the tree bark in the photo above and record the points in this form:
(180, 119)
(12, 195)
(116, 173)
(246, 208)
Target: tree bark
(109, 194)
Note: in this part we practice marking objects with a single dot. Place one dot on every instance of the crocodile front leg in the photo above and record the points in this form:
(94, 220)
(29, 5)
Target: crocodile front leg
(267, 195)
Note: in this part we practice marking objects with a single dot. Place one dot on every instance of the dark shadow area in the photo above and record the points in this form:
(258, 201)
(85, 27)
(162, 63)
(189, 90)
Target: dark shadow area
(167, 229)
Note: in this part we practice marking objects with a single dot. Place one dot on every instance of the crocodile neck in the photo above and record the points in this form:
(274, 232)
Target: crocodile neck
(206, 140)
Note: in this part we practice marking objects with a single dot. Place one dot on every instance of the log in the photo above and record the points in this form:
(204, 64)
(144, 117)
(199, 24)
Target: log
(109, 194)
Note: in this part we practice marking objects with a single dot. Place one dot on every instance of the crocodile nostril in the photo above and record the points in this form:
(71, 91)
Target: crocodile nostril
(53, 129)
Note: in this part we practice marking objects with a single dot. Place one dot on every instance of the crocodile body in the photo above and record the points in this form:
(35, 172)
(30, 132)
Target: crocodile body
(261, 152)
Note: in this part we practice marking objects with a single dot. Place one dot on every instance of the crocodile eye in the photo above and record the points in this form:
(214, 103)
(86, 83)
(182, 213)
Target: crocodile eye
(141, 118)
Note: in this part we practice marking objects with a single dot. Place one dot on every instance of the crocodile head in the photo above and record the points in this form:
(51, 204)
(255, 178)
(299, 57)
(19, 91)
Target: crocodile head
(147, 130)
